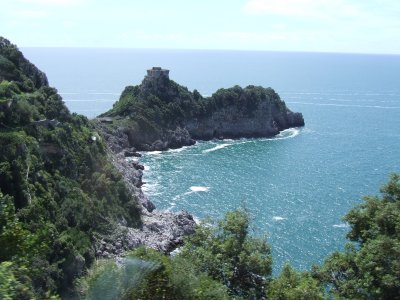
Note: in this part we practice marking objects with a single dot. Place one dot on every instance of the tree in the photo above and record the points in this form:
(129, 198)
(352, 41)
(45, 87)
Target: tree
(370, 267)
(228, 254)
(292, 285)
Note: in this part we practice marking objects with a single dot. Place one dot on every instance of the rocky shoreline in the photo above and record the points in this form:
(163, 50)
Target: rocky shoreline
(161, 230)
(160, 114)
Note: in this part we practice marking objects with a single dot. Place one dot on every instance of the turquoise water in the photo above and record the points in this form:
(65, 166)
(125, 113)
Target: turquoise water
(296, 186)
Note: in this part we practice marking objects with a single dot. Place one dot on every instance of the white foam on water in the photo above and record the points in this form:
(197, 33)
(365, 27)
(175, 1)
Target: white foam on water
(132, 158)
(177, 150)
(199, 188)
(147, 167)
(150, 188)
(341, 225)
(193, 189)
(218, 147)
(154, 152)
(278, 218)
(287, 134)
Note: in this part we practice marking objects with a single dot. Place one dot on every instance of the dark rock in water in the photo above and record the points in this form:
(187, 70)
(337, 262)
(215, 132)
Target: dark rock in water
(129, 153)
(137, 166)
(159, 145)
(148, 204)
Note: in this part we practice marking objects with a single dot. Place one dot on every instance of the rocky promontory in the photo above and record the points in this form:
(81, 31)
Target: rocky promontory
(159, 114)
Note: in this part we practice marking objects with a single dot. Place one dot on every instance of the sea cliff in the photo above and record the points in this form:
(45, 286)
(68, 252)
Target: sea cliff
(159, 114)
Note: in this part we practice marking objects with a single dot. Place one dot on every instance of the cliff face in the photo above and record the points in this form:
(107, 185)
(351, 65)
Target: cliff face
(159, 114)
(230, 122)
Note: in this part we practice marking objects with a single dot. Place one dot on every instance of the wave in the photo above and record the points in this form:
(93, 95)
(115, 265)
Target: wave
(132, 159)
(177, 150)
(199, 188)
(153, 152)
(341, 225)
(150, 188)
(193, 189)
(218, 147)
(278, 218)
(287, 134)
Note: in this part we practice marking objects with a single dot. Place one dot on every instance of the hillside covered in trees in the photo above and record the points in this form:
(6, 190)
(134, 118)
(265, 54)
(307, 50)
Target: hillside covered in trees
(57, 186)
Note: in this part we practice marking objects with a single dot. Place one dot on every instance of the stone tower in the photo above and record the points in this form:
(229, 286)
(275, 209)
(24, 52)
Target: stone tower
(157, 72)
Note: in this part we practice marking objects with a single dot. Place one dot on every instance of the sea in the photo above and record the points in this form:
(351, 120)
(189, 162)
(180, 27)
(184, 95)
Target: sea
(296, 186)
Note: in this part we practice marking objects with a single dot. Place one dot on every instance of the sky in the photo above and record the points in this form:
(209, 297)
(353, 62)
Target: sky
(350, 26)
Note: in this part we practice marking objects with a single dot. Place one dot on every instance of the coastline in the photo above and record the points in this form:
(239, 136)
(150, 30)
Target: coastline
(161, 230)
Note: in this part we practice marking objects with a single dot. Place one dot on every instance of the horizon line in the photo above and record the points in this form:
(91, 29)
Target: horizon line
(215, 50)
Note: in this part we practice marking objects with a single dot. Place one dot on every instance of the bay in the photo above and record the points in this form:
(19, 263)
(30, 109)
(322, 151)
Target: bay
(296, 186)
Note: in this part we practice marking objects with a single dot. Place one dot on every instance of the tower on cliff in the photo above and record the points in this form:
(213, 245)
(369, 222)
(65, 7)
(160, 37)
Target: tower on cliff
(157, 72)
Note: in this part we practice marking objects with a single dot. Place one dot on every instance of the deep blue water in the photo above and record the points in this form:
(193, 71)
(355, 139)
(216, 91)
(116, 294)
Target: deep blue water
(296, 186)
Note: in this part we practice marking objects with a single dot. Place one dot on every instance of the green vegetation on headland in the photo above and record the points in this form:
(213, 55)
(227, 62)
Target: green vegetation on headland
(159, 113)
(59, 192)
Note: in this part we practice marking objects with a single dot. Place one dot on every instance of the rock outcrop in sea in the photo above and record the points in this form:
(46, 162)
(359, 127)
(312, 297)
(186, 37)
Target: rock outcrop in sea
(159, 114)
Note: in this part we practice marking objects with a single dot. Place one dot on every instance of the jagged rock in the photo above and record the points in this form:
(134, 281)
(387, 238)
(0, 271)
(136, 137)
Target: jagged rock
(137, 166)
(163, 231)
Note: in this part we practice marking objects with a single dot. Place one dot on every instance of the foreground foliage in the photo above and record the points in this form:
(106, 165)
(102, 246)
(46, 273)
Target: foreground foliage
(57, 186)
(370, 266)
(222, 261)
(228, 254)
